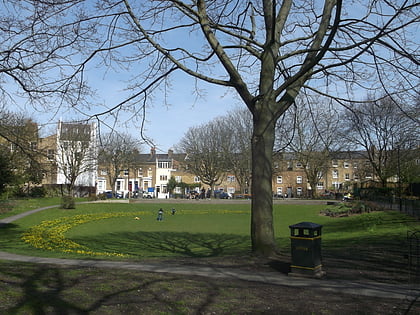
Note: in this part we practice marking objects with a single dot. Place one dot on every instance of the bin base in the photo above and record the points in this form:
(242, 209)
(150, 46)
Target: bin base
(298, 271)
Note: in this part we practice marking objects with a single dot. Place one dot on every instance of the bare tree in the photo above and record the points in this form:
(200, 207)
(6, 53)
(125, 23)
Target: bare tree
(117, 152)
(310, 132)
(266, 51)
(205, 157)
(387, 134)
(76, 156)
(238, 124)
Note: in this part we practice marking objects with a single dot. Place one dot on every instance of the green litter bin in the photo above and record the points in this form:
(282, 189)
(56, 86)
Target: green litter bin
(305, 240)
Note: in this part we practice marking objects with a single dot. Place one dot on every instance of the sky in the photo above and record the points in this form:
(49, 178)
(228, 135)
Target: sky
(165, 124)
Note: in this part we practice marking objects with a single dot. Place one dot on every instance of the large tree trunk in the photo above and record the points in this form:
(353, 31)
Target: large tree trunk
(262, 230)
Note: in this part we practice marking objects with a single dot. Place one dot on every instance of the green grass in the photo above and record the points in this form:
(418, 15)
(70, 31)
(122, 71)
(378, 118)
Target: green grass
(196, 230)
(13, 207)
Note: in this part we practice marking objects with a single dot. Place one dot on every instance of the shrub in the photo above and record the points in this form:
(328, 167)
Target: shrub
(38, 192)
(67, 202)
(348, 208)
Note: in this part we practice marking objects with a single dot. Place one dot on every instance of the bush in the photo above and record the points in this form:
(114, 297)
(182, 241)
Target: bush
(345, 209)
(68, 202)
(38, 192)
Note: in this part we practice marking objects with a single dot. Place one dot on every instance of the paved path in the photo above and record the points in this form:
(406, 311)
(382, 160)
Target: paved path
(376, 289)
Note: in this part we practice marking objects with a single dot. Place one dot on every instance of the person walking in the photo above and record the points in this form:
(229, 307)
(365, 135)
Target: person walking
(160, 215)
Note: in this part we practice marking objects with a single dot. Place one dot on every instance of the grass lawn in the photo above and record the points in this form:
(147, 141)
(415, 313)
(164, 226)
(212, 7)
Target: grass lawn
(13, 207)
(363, 247)
(131, 231)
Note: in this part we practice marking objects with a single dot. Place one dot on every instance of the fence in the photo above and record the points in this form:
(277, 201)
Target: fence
(410, 207)
(413, 240)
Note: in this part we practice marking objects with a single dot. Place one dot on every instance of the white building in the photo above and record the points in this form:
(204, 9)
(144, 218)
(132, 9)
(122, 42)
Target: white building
(76, 155)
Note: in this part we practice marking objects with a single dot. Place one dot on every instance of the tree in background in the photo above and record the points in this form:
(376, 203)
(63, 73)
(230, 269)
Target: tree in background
(76, 157)
(6, 174)
(387, 131)
(117, 152)
(19, 139)
(220, 147)
(238, 124)
(310, 132)
(266, 51)
(205, 157)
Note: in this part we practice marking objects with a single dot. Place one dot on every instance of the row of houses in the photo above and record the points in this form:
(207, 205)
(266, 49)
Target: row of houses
(150, 173)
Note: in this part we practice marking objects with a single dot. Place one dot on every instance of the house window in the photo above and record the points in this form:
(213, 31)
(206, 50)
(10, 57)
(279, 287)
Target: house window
(230, 178)
(346, 164)
(178, 179)
(289, 165)
(298, 179)
(140, 172)
(149, 172)
(177, 190)
(347, 176)
(279, 190)
(196, 179)
(104, 172)
(335, 163)
(101, 185)
(356, 177)
(126, 172)
(164, 164)
(335, 174)
(163, 177)
(355, 164)
(299, 164)
(320, 185)
(279, 180)
(299, 191)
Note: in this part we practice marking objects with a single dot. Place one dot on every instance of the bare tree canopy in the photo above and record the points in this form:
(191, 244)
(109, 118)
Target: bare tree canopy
(266, 51)
(47, 46)
(310, 131)
(76, 154)
(223, 144)
(117, 152)
(205, 156)
(385, 132)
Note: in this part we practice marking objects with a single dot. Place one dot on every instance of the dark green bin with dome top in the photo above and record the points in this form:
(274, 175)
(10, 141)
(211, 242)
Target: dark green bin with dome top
(305, 240)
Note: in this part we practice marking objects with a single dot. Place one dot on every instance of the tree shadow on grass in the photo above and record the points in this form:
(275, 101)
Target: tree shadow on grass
(45, 289)
(372, 247)
(10, 235)
(49, 289)
(164, 244)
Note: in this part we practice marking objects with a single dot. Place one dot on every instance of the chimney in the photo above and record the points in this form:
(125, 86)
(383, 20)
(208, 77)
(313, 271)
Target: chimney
(170, 153)
(152, 151)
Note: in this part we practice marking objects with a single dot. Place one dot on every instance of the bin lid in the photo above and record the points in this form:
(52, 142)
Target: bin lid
(306, 225)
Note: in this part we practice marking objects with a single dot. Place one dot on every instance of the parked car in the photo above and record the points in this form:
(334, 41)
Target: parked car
(225, 195)
(108, 194)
